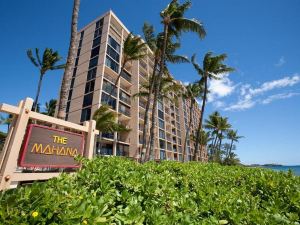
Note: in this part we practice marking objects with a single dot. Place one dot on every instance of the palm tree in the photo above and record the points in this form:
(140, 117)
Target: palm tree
(168, 85)
(50, 107)
(222, 127)
(233, 136)
(106, 121)
(48, 62)
(192, 91)
(63, 96)
(204, 139)
(133, 49)
(212, 124)
(172, 17)
(213, 68)
(155, 44)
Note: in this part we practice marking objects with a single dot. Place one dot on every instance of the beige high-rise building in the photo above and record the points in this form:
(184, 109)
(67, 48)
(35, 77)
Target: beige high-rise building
(96, 69)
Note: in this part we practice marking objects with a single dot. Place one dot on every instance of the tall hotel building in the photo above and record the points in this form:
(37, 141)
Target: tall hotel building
(96, 68)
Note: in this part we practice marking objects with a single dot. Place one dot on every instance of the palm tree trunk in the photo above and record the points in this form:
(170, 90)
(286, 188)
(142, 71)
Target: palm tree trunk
(38, 93)
(146, 116)
(118, 78)
(201, 119)
(69, 65)
(230, 149)
(156, 92)
(215, 144)
(188, 130)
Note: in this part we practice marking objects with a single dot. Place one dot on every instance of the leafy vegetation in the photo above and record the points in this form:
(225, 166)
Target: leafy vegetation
(119, 191)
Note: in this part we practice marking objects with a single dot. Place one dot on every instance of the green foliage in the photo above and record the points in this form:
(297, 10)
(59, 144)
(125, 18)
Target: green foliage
(119, 191)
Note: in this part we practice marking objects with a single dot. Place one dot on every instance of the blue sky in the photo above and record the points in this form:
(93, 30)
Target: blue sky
(261, 38)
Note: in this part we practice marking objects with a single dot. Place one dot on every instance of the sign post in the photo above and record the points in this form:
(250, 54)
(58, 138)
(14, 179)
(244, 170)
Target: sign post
(43, 146)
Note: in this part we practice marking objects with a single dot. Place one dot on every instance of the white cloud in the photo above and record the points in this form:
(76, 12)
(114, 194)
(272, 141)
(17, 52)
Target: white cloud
(220, 88)
(280, 62)
(241, 105)
(278, 96)
(219, 104)
(248, 95)
(267, 86)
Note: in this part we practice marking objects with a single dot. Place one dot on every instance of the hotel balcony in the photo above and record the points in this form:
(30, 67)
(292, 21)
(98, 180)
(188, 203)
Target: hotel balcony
(109, 136)
(124, 98)
(122, 150)
(124, 112)
(126, 77)
(142, 104)
(123, 137)
(141, 116)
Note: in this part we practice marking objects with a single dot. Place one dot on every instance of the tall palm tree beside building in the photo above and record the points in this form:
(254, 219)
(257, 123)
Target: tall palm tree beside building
(204, 139)
(174, 22)
(192, 92)
(212, 68)
(155, 44)
(63, 96)
(48, 62)
(133, 49)
(168, 85)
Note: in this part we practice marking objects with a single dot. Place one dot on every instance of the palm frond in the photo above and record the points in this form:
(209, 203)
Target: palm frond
(31, 57)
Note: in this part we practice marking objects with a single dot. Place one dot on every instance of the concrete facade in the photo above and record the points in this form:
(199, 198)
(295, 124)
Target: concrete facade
(96, 69)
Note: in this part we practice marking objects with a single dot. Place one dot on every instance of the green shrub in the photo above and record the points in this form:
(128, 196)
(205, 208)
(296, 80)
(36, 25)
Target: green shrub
(119, 191)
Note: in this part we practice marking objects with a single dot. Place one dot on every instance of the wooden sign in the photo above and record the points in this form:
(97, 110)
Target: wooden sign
(47, 147)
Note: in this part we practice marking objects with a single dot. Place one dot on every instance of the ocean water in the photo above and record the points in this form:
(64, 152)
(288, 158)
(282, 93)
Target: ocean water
(295, 169)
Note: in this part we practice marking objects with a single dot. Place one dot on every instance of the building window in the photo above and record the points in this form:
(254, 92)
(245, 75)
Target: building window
(70, 94)
(93, 62)
(126, 75)
(160, 114)
(108, 100)
(89, 86)
(113, 53)
(85, 114)
(112, 64)
(98, 33)
(91, 74)
(68, 107)
(124, 109)
(74, 72)
(124, 97)
(76, 61)
(96, 41)
(72, 83)
(162, 154)
(87, 100)
(80, 43)
(109, 88)
(161, 124)
(99, 23)
(78, 51)
(162, 144)
(81, 34)
(113, 43)
(160, 105)
(95, 52)
(161, 134)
